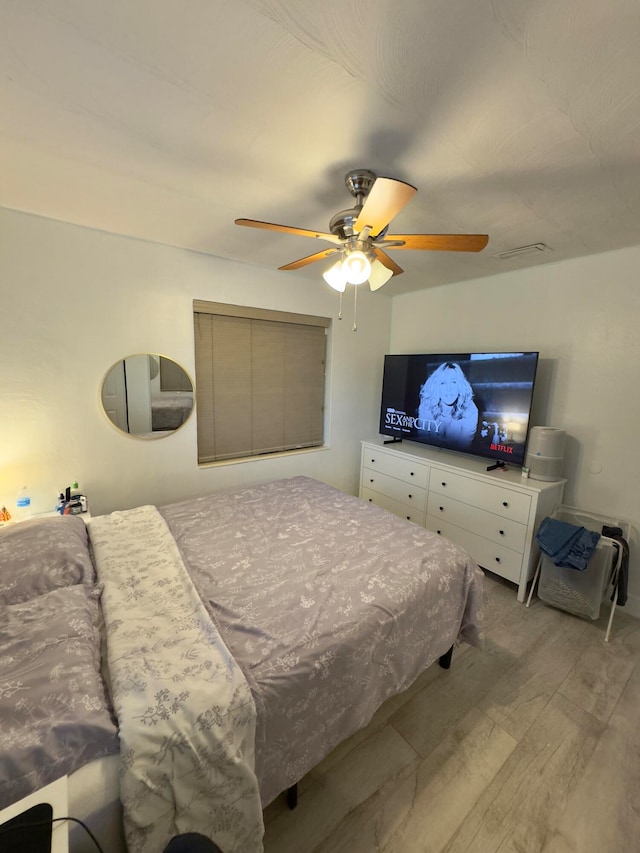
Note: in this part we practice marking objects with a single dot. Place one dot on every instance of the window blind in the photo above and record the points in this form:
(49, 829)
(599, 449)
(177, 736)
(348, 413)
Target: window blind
(259, 381)
(173, 377)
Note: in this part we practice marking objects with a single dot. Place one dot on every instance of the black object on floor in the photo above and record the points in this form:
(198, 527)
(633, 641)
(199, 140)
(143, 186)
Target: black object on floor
(191, 842)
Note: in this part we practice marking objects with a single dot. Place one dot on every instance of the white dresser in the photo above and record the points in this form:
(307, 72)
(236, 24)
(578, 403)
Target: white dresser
(492, 514)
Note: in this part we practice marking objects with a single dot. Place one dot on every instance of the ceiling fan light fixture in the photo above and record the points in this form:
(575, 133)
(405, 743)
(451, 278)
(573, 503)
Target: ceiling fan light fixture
(356, 267)
(335, 277)
(379, 275)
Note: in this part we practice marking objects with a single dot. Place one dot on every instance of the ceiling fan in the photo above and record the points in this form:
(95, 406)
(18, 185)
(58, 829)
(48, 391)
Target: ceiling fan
(359, 234)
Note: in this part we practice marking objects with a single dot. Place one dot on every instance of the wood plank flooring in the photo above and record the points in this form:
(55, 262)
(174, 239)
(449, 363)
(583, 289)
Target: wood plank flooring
(530, 745)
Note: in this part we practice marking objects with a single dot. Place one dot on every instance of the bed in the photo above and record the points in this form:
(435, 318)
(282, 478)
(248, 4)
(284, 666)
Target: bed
(170, 410)
(230, 643)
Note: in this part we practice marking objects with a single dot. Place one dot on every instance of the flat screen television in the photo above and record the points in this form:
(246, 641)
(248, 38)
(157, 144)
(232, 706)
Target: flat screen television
(476, 403)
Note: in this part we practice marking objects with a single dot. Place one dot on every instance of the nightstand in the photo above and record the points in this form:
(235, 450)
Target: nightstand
(85, 516)
(56, 795)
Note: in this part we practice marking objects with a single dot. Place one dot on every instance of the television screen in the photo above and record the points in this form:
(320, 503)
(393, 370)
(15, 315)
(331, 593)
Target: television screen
(476, 403)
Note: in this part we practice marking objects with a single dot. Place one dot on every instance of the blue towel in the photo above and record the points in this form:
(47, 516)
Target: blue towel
(568, 545)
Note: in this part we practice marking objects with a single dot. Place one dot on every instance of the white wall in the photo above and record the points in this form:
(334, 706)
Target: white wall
(584, 318)
(73, 301)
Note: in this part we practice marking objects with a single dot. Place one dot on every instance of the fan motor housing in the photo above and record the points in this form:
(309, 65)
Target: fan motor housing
(342, 223)
(359, 182)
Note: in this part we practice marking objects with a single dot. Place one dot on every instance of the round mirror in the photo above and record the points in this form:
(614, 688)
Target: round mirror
(147, 395)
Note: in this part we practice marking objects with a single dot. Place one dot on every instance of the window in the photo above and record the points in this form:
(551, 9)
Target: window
(172, 376)
(259, 380)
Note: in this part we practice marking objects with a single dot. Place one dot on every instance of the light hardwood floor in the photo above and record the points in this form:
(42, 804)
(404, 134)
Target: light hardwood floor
(531, 745)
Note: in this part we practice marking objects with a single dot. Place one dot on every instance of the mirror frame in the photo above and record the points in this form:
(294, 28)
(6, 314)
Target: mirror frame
(131, 372)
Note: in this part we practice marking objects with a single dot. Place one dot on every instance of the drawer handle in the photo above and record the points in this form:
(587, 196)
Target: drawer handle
(370, 500)
(439, 532)
(371, 479)
(373, 460)
(411, 473)
(501, 532)
(441, 508)
(505, 503)
(444, 484)
(408, 518)
(498, 560)
(410, 496)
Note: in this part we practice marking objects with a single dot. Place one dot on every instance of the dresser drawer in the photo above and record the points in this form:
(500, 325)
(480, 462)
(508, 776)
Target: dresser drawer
(407, 493)
(394, 506)
(394, 466)
(496, 558)
(492, 497)
(498, 529)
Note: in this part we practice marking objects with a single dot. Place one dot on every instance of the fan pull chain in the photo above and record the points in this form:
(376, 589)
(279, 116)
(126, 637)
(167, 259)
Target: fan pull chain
(340, 309)
(355, 308)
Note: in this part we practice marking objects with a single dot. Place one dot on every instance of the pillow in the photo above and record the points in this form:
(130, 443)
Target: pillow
(53, 703)
(42, 554)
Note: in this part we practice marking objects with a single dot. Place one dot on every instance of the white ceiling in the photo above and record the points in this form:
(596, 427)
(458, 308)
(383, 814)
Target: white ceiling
(168, 119)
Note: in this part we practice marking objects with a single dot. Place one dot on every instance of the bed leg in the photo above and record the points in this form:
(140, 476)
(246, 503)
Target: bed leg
(292, 796)
(445, 660)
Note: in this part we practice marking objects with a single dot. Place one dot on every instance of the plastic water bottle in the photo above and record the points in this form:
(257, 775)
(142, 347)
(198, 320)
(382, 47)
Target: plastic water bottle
(23, 504)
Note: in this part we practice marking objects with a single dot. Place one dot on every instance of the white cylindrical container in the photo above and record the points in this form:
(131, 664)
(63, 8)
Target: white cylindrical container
(545, 453)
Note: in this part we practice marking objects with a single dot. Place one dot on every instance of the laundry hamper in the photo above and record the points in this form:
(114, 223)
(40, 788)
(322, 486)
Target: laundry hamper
(577, 592)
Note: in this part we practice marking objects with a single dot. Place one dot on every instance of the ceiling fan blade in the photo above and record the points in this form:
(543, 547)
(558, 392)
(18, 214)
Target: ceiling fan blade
(441, 242)
(388, 262)
(385, 200)
(319, 256)
(288, 229)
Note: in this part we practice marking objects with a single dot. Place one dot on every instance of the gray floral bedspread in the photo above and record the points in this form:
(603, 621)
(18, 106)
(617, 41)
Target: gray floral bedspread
(186, 715)
(328, 604)
(55, 715)
(54, 712)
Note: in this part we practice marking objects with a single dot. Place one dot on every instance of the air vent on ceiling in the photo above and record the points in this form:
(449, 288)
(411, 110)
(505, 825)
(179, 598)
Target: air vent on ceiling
(533, 249)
